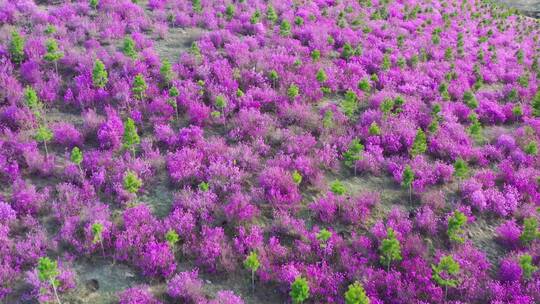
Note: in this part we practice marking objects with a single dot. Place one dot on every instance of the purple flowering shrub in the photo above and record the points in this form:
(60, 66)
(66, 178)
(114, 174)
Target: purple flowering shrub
(334, 141)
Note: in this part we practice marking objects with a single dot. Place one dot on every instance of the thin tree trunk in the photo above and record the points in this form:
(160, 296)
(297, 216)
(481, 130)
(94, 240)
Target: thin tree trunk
(253, 281)
(46, 151)
(55, 293)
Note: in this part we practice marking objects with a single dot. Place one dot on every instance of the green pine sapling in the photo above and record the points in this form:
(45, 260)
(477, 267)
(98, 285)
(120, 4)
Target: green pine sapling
(374, 129)
(347, 52)
(420, 143)
(255, 17)
(407, 181)
(353, 154)
(530, 231)
(172, 238)
(274, 77)
(390, 249)
(285, 28)
(386, 63)
(527, 266)
(386, 106)
(349, 105)
(129, 48)
(50, 29)
(230, 11)
(97, 233)
(221, 102)
(16, 47)
(100, 77)
(338, 188)
(139, 86)
(445, 273)
(271, 14)
(132, 183)
(356, 294)
(173, 93)
(94, 4)
(196, 6)
(77, 158)
(203, 186)
(461, 169)
(322, 236)
(252, 263)
(364, 85)
(53, 53)
(166, 72)
(470, 99)
(531, 148)
(32, 101)
(293, 91)
(297, 177)
(315, 55)
(130, 138)
(455, 227)
(44, 135)
(48, 272)
(536, 104)
(321, 76)
(299, 290)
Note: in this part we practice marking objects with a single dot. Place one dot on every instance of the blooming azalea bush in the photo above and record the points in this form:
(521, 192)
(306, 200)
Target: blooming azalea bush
(338, 151)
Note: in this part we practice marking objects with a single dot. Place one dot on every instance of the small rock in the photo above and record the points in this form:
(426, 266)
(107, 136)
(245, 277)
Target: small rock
(208, 281)
(92, 285)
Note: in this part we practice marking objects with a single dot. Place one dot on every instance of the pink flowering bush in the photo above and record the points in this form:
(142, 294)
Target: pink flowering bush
(320, 150)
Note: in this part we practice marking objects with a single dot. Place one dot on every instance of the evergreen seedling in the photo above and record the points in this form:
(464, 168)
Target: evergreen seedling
(130, 138)
(77, 157)
(172, 238)
(44, 135)
(203, 186)
(297, 177)
(132, 183)
(455, 227)
(445, 273)
(32, 101)
(407, 181)
(100, 77)
(349, 105)
(139, 86)
(390, 249)
(16, 47)
(48, 272)
(252, 263)
(374, 129)
(530, 231)
(527, 266)
(461, 169)
(53, 53)
(230, 11)
(97, 233)
(129, 48)
(299, 290)
(338, 188)
(285, 28)
(353, 154)
(420, 143)
(271, 14)
(323, 236)
(356, 294)
(166, 72)
(321, 76)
